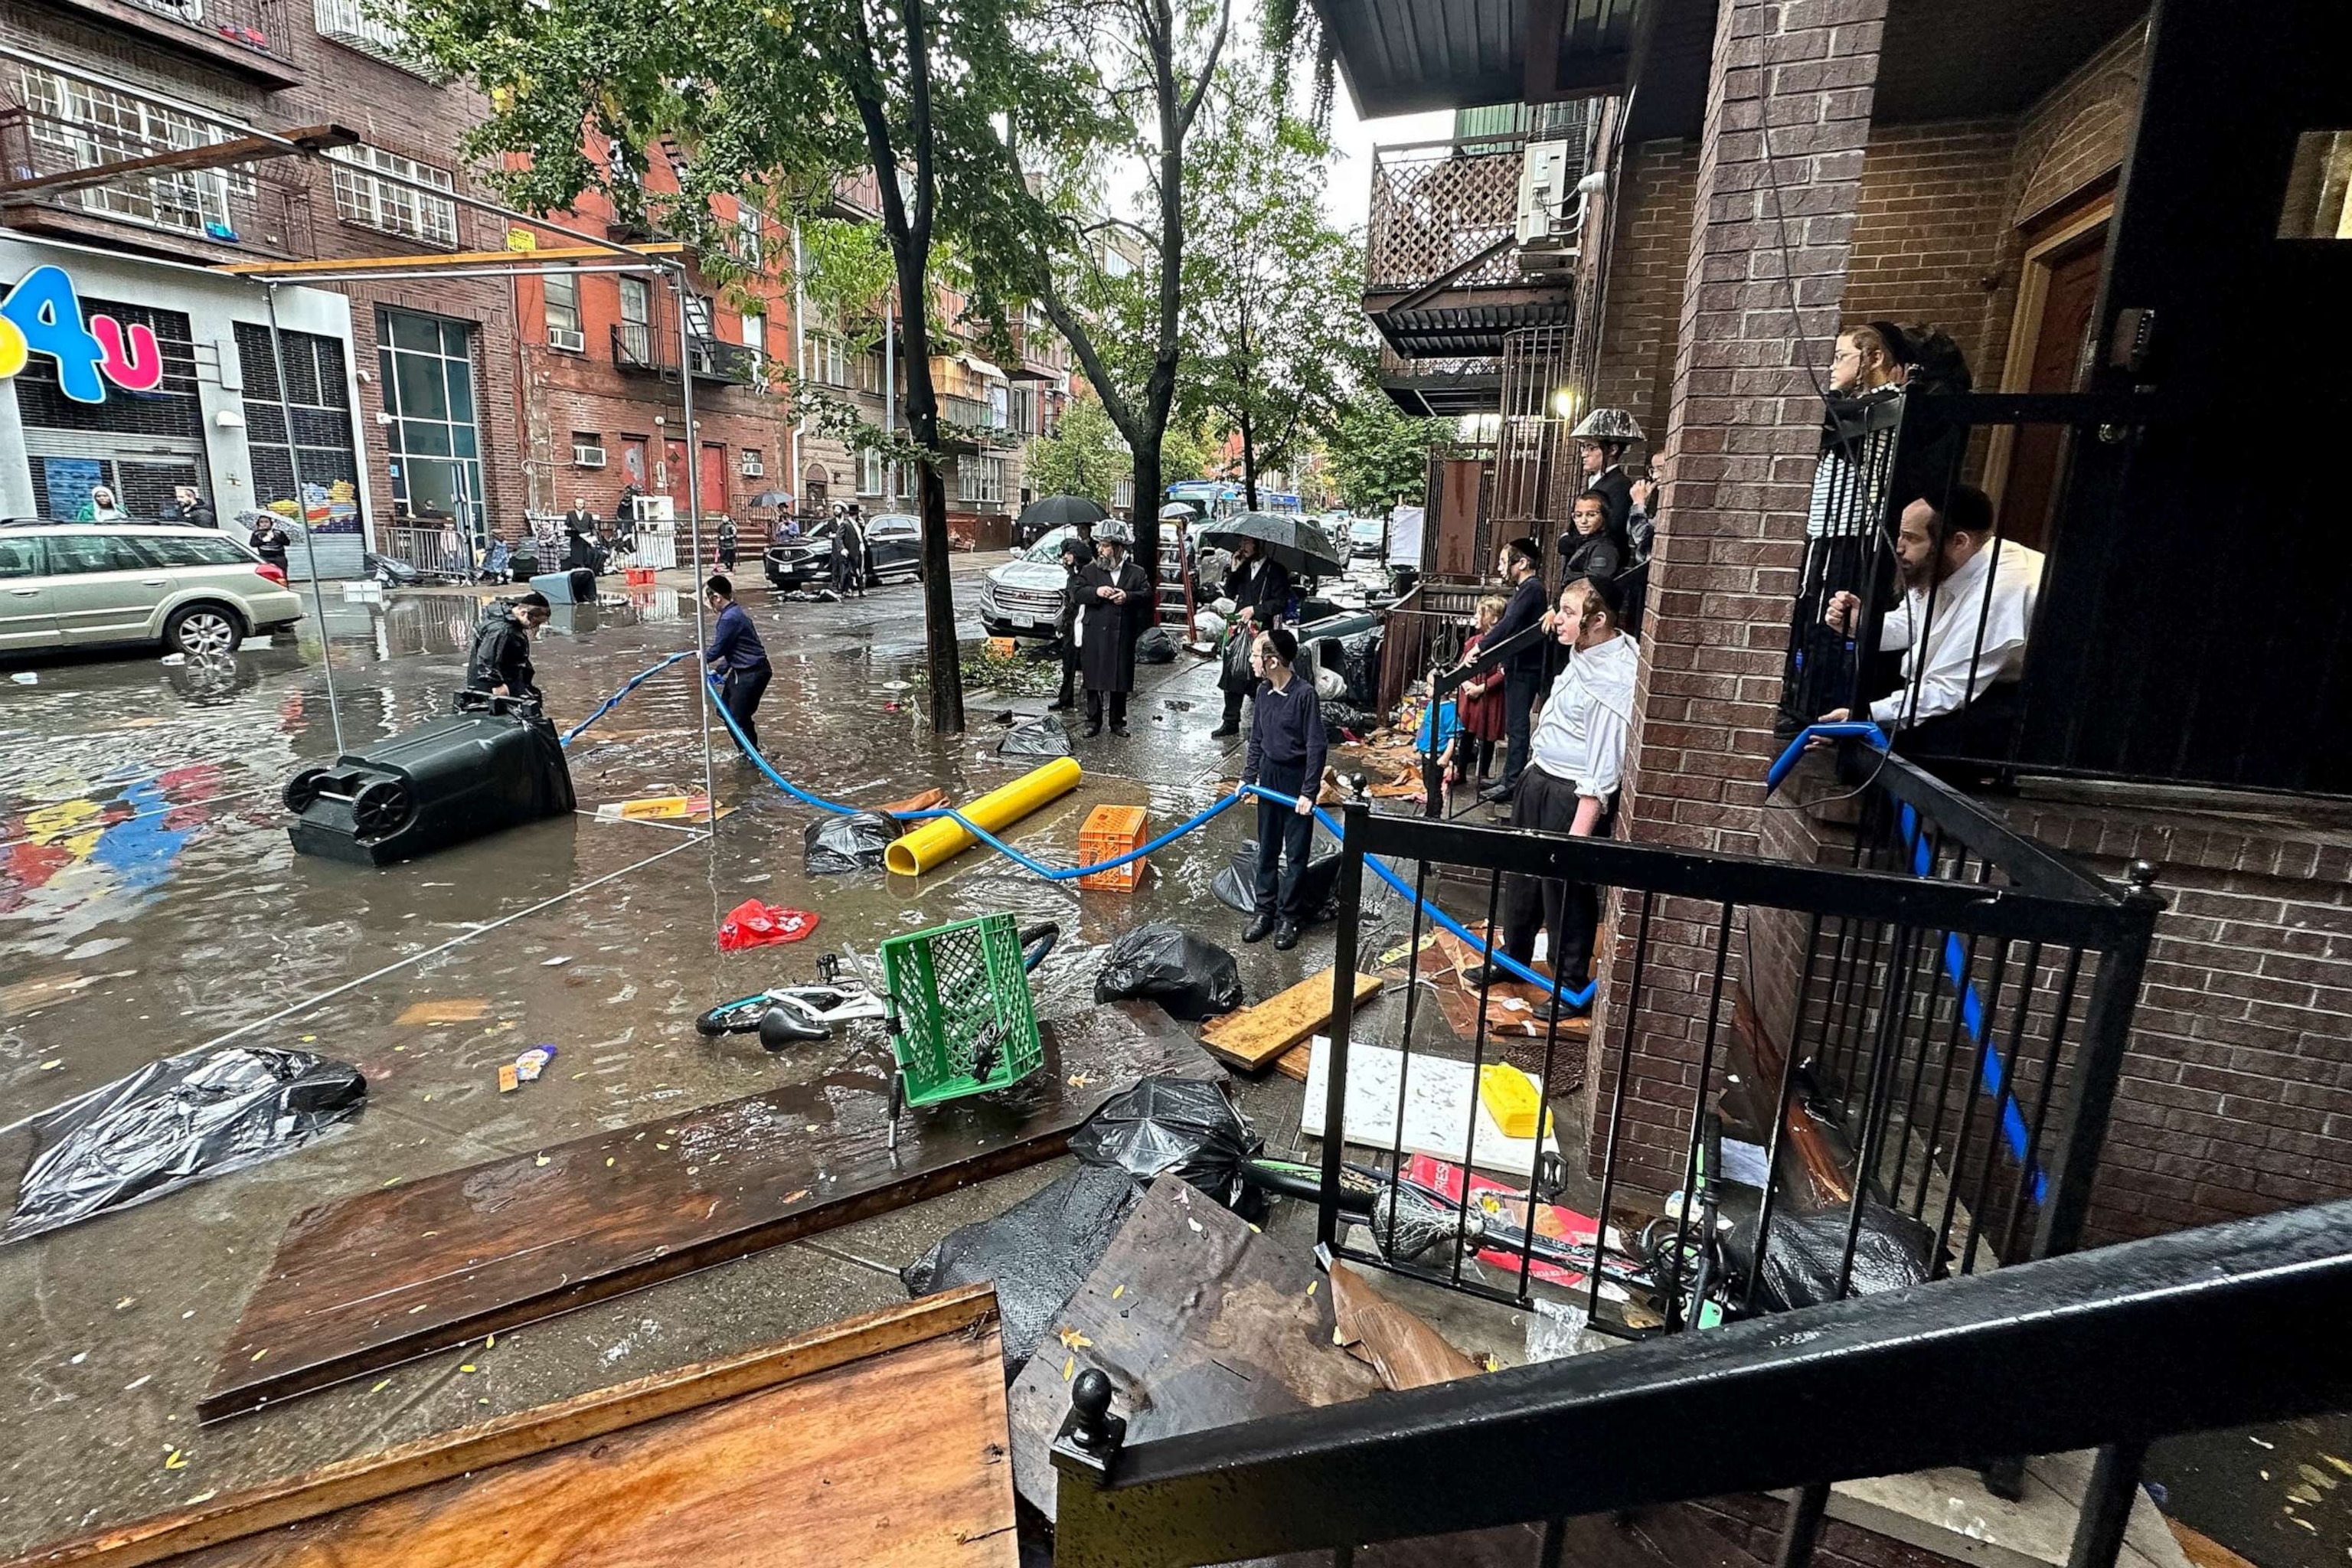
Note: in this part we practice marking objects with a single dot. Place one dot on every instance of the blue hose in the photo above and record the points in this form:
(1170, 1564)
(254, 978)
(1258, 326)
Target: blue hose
(614, 700)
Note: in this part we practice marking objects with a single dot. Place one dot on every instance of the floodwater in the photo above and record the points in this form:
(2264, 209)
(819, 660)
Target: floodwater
(151, 903)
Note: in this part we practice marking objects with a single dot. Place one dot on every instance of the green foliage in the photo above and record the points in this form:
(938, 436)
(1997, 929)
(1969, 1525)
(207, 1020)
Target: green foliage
(845, 274)
(1271, 319)
(1085, 458)
(1378, 456)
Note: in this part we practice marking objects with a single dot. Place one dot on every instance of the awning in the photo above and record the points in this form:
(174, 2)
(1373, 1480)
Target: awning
(979, 367)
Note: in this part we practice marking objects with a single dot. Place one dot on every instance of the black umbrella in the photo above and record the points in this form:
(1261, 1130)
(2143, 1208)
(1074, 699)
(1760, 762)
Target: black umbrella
(1302, 547)
(772, 498)
(1060, 511)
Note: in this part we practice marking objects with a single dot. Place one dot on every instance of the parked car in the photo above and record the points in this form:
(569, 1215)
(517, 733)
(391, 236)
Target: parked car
(198, 591)
(1023, 596)
(1368, 536)
(894, 548)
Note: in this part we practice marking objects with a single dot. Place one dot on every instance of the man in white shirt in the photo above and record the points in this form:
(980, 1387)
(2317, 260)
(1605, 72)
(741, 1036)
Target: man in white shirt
(1968, 606)
(1577, 759)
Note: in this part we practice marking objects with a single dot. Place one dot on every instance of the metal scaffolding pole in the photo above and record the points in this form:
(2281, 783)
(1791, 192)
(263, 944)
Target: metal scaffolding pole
(678, 284)
(302, 514)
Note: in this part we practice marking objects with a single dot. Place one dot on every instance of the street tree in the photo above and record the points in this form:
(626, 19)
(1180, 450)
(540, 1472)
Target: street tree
(1271, 317)
(1379, 456)
(1111, 286)
(772, 104)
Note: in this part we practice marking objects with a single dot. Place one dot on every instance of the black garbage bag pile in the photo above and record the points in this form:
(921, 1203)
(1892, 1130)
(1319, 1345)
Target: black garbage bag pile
(1801, 1262)
(1038, 1252)
(1038, 737)
(1359, 664)
(1343, 718)
(1235, 884)
(174, 1121)
(1192, 979)
(1155, 647)
(839, 845)
(1174, 1124)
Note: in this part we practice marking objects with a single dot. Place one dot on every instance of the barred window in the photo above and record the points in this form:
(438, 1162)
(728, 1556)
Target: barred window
(980, 479)
(84, 127)
(362, 196)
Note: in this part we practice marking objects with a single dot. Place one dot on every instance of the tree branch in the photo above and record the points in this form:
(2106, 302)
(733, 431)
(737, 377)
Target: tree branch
(1208, 69)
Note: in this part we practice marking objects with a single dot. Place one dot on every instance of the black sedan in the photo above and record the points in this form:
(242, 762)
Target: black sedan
(894, 551)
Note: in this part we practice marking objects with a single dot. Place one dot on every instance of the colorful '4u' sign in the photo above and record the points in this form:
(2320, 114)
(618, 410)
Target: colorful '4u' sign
(43, 315)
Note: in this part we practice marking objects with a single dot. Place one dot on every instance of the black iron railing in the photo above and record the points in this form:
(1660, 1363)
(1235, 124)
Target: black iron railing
(2109, 1349)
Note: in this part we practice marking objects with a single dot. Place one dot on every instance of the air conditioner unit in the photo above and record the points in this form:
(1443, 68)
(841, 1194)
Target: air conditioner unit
(1549, 203)
(568, 340)
(587, 457)
(753, 467)
(654, 508)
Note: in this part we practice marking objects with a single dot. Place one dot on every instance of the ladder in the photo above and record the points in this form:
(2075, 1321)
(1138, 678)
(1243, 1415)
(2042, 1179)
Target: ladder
(1174, 595)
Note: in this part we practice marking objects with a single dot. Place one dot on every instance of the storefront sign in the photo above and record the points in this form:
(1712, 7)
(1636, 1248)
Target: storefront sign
(43, 315)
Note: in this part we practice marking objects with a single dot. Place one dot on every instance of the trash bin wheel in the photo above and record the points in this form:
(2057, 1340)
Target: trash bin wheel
(302, 790)
(381, 809)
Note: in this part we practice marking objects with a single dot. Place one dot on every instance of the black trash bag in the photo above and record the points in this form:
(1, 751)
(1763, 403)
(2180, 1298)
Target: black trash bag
(1038, 1252)
(1344, 716)
(1192, 979)
(175, 1122)
(1359, 663)
(1155, 647)
(1235, 886)
(839, 845)
(1802, 1252)
(1167, 1124)
(1038, 737)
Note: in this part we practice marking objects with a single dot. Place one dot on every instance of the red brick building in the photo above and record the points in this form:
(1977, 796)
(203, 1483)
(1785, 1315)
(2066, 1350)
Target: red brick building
(1755, 176)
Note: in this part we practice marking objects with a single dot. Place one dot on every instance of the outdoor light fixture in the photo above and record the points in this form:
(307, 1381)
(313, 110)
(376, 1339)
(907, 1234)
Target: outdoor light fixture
(1563, 402)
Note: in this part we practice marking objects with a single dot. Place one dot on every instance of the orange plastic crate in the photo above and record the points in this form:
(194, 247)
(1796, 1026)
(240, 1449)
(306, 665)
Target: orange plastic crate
(1110, 832)
(638, 577)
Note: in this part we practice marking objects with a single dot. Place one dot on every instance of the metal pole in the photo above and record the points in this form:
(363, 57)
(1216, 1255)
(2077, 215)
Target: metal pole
(302, 514)
(694, 518)
(890, 387)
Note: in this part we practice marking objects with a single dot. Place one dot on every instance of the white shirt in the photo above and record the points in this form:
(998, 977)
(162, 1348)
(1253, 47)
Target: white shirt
(1581, 733)
(1850, 481)
(1996, 594)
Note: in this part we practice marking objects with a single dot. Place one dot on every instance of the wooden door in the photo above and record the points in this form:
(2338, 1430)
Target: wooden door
(2061, 338)
(672, 476)
(714, 478)
(1453, 552)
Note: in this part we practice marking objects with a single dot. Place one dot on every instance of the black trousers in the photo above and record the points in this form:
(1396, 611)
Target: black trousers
(1233, 709)
(1519, 693)
(740, 692)
(1094, 706)
(1285, 839)
(1069, 667)
(1571, 911)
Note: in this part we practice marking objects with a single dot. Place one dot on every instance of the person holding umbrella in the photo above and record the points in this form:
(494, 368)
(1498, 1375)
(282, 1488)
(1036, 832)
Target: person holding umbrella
(1074, 561)
(1259, 587)
(1115, 601)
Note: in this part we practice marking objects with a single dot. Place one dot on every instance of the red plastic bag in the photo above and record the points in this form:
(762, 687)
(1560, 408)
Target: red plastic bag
(754, 924)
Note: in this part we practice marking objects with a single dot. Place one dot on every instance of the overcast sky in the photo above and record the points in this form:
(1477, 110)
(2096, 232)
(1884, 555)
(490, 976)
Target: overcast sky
(1349, 196)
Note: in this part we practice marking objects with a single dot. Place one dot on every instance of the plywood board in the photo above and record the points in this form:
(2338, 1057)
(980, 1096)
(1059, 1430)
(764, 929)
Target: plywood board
(878, 1439)
(1198, 1321)
(1253, 1036)
(366, 1282)
(1439, 1098)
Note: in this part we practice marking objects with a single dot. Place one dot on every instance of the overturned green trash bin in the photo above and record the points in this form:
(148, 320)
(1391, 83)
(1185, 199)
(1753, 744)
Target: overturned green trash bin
(495, 763)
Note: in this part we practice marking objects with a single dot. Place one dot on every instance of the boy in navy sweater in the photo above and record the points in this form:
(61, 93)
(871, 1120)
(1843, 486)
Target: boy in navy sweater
(737, 657)
(1285, 753)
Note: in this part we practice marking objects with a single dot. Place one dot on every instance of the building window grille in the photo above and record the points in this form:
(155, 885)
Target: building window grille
(363, 196)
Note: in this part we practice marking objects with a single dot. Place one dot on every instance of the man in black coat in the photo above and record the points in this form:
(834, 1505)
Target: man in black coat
(1116, 605)
(499, 660)
(1523, 672)
(189, 507)
(1601, 437)
(580, 535)
(1065, 624)
(1259, 587)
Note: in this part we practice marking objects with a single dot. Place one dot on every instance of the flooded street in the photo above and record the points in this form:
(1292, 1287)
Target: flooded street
(151, 903)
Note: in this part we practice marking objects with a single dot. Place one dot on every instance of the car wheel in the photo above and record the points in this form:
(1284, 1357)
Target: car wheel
(198, 630)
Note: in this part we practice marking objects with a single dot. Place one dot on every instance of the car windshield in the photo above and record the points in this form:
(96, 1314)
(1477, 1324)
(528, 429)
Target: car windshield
(894, 522)
(1047, 551)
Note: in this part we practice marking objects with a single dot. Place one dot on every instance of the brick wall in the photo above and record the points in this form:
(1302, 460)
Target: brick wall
(1763, 283)
(2076, 133)
(1927, 244)
(1642, 302)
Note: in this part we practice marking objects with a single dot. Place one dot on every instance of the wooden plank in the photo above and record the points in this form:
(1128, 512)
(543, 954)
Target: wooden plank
(1253, 1036)
(363, 1283)
(353, 1483)
(1825, 1174)
(452, 259)
(186, 160)
(1198, 1321)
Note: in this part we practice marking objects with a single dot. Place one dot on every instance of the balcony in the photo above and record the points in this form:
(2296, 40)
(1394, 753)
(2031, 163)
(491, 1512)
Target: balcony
(651, 350)
(355, 25)
(227, 213)
(1444, 275)
(978, 427)
(252, 38)
(1440, 388)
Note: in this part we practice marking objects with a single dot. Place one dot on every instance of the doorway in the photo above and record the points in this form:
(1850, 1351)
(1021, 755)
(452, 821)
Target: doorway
(2051, 341)
(714, 478)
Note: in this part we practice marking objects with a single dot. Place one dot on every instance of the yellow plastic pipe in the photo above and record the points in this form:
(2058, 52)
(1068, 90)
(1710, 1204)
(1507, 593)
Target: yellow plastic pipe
(944, 839)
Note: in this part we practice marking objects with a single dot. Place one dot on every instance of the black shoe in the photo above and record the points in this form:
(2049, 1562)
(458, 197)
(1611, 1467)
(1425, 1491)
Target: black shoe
(1224, 731)
(1258, 927)
(1093, 727)
(1480, 975)
(1063, 707)
(1118, 727)
(1286, 936)
(1496, 792)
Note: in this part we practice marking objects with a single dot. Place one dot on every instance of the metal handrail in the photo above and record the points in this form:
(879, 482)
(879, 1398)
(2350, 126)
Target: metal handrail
(2112, 1348)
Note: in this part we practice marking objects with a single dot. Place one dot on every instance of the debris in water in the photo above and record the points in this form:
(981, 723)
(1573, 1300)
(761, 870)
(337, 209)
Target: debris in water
(556, 963)
(381, 1383)
(175, 1460)
(1072, 1339)
(204, 1497)
(542, 1161)
(138, 1382)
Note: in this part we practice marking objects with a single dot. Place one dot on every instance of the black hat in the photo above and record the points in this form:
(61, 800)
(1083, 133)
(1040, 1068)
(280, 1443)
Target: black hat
(1527, 549)
(1898, 341)
(1605, 589)
(1284, 643)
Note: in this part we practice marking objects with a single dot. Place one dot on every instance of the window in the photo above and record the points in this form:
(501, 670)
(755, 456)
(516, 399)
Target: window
(869, 473)
(363, 197)
(633, 339)
(428, 367)
(190, 551)
(83, 127)
(93, 552)
(754, 465)
(828, 364)
(746, 234)
(587, 449)
(755, 333)
(317, 388)
(1122, 495)
(563, 312)
(21, 557)
(980, 479)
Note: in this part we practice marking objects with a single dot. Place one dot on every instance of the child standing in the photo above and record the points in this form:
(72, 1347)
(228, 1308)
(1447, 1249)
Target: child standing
(1478, 704)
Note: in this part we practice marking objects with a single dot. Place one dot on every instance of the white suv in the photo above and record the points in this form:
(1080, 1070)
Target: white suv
(78, 584)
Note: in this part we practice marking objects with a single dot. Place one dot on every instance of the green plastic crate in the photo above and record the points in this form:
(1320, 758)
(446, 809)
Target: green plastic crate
(958, 993)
